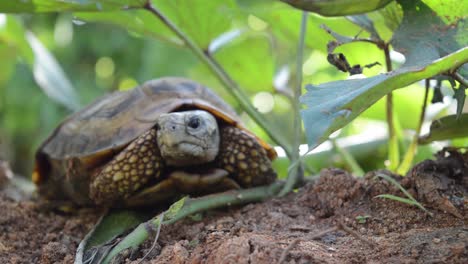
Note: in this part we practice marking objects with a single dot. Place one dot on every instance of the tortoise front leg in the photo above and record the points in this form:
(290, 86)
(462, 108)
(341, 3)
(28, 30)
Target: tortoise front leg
(128, 171)
(244, 158)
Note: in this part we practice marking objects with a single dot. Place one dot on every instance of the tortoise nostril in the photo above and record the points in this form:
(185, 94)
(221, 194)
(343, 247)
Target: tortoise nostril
(173, 127)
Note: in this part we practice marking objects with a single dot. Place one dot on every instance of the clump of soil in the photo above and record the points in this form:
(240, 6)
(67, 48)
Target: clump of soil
(335, 219)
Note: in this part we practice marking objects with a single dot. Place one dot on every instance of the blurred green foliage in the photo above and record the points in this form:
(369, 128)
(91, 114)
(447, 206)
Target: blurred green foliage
(254, 41)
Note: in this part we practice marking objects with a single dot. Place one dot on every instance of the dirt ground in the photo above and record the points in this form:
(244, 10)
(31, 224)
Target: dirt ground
(335, 219)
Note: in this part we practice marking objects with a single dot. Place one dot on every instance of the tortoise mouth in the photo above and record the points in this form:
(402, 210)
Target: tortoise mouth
(186, 153)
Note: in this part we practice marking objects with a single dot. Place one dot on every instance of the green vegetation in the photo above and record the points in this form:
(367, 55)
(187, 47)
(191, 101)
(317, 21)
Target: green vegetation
(274, 63)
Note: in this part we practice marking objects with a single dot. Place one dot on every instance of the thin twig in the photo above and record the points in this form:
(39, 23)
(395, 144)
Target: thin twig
(285, 252)
(155, 242)
(296, 241)
(355, 234)
(324, 232)
(231, 86)
(459, 78)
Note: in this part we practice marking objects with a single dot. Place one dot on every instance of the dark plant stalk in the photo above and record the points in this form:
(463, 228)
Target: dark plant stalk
(190, 207)
(296, 172)
(231, 86)
(393, 151)
(459, 78)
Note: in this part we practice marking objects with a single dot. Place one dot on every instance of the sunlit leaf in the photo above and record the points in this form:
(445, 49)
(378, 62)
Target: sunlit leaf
(250, 62)
(338, 7)
(35, 6)
(447, 127)
(137, 22)
(51, 77)
(332, 105)
(392, 14)
(202, 20)
(12, 35)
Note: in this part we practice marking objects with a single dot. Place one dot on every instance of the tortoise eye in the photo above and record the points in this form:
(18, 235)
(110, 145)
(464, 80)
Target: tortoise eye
(194, 122)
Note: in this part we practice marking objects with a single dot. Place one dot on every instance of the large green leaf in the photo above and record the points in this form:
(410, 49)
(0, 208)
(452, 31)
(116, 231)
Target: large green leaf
(250, 62)
(431, 29)
(137, 22)
(333, 105)
(35, 6)
(201, 20)
(447, 127)
(338, 7)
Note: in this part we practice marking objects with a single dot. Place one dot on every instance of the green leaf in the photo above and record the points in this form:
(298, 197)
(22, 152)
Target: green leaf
(12, 35)
(366, 23)
(333, 105)
(282, 25)
(410, 200)
(51, 77)
(446, 128)
(202, 20)
(430, 30)
(113, 224)
(250, 62)
(175, 208)
(338, 7)
(137, 22)
(36, 6)
(396, 198)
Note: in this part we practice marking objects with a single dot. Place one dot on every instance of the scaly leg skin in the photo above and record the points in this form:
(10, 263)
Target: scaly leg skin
(244, 158)
(128, 171)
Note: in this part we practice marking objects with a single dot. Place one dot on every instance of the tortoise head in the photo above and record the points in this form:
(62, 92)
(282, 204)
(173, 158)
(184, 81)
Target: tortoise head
(188, 138)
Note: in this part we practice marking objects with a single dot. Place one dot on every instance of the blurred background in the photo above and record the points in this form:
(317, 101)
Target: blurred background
(53, 64)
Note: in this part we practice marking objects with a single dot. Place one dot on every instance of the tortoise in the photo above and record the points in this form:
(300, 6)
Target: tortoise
(167, 137)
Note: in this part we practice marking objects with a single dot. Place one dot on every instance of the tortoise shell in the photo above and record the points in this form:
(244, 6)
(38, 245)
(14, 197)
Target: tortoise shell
(92, 136)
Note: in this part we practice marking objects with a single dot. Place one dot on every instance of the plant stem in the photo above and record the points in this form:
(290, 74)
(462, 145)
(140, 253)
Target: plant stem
(393, 150)
(459, 78)
(348, 159)
(192, 206)
(412, 149)
(296, 174)
(231, 86)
